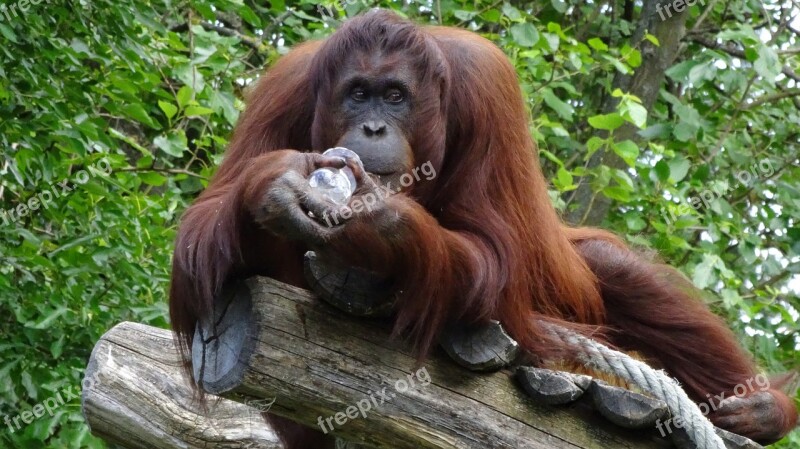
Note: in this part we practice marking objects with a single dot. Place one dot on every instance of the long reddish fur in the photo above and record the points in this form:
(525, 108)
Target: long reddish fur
(481, 241)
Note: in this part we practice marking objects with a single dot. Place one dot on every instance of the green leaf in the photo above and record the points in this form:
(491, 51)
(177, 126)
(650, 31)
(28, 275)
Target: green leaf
(628, 151)
(462, 15)
(621, 68)
(492, 16)
(739, 32)
(225, 104)
(45, 322)
(657, 131)
(635, 223)
(750, 54)
(152, 178)
(608, 122)
(174, 143)
(30, 386)
(702, 72)
(575, 60)
(184, 96)
(57, 347)
(678, 168)
(137, 112)
(617, 193)
(564, 180)
(680, 71)
(593, 144)
(684, 131)
(622, 178)
(632, 56)
(247, 14)
(511, 12)
(634, 113)
(73, 243)
(197, 111)
(701, 173)
(559, 5)
(564, 110)
(653, 40)
(553, 41)
(597, 44)
(768, 65)
(9, 34)
(662, 171)
(551, 157)
(169, 109)
(731, 298)
(703, 272)
(524, 34)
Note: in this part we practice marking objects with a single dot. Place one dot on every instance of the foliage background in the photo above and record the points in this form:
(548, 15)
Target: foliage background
(632, 115)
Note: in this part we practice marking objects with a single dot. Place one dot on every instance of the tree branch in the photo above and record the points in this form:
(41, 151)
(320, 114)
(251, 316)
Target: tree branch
(256, 44)
(772, 97)
(171, 171)
(735, 52)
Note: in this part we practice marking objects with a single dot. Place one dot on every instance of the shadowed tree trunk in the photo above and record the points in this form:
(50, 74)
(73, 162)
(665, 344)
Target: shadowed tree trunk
(588, 208)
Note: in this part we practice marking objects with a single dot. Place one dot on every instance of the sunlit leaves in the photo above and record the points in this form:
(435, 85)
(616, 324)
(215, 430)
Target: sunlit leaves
(169, 109)
(597, 44)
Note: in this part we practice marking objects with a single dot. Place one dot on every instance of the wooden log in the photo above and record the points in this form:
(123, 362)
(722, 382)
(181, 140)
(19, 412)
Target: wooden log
(136, 396)
(345, 376)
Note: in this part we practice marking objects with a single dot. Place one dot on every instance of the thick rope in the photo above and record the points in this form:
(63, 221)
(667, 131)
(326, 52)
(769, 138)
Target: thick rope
(656, 382)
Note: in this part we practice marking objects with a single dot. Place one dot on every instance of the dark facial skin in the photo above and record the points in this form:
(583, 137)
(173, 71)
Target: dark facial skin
(369, 110)
(374, 100)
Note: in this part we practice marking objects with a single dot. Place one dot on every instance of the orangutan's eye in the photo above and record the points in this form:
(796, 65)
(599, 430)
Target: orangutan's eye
(394, 96)
(358, 94)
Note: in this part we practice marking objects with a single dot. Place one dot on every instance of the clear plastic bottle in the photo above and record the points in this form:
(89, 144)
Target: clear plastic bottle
(337, 184)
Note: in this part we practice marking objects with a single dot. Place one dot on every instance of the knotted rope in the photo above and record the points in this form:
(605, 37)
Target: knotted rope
(656, 382)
